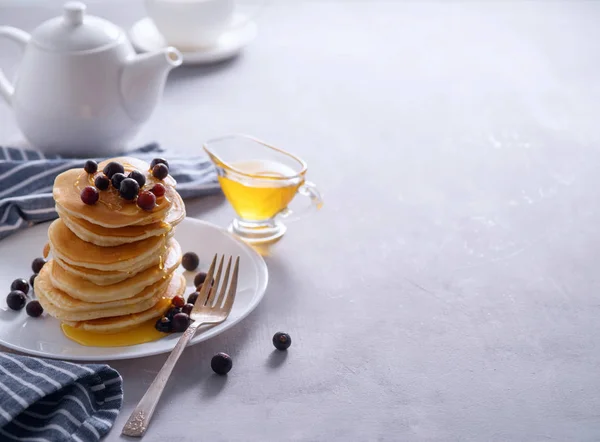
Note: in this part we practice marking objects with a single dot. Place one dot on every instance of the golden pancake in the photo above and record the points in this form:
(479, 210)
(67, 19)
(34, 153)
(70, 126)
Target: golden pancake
(104, 278)
(121, 323)
(108, 237)
(111, 210)
(81, 288)
(67, 304)
(69, 248)
(60, 305)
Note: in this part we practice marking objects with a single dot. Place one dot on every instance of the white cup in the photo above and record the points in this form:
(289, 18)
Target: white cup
(191, 24)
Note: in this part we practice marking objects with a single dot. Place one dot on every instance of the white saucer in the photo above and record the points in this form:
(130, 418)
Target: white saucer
(42, 336)
(146, 38)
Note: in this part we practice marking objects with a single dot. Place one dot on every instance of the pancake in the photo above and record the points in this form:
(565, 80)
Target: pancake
(71, 249)
(111, 210)
(62, 306)
(104, 278)
(84, 290)
(108, 237)
(124, 322)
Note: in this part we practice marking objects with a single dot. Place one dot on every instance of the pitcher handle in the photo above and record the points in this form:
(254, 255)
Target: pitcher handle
(22, 38)
(309, 190)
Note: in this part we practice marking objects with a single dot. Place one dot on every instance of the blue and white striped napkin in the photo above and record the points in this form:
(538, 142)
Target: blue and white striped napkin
(46, 401)
(27, 176)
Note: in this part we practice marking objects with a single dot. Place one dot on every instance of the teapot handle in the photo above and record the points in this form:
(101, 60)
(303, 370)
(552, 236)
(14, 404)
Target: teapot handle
(21, 37)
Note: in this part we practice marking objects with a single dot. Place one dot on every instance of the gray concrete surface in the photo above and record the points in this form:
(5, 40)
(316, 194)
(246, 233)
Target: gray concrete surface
(449, 289)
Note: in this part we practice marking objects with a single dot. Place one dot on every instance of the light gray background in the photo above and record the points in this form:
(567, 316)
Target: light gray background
(448, 291)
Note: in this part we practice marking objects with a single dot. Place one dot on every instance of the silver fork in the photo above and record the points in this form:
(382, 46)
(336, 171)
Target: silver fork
(209, 309)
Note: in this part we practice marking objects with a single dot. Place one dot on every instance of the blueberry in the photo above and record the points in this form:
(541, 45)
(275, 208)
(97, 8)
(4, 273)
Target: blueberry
(90, 166)
(16, 300)
(282, 341)
(199, 279)
(190, 261)
(181, 322)
(160, 171)
(187, 308)
(129, 189)
(20, 284)
(172, 312)
(138, 176)
(146, 201)
(89, 195)
(37, 264)
(117, 179)
(113, 167)
(102, 182)
(163, 325)
(221, 363)
(192, 298)
(32, 280)
(156, 161)
(34, 309)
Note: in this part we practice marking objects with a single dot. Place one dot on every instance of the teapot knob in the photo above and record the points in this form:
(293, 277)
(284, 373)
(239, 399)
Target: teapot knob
(73, 13)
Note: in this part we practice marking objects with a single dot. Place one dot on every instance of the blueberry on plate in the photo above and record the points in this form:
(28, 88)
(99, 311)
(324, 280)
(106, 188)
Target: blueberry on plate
(192, 297)
(34, 309)
(221, 363)
(20, 284)
(163, 325)
(181, 322)
(282, 341)
(37, 264)
(16, 300)
(199, 279)
(187, 309)
(190, 261)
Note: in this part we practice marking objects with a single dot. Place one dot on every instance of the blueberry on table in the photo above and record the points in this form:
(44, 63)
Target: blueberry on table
(160, 171)
(181, 322)
(221, 363)
(129, 189)
(193, 297)
(16, 300)
(117, 179)
(34, 309)
(163, 325)
(89, 195)
(158, 190)
(146, 201)
(113, 167)
(37, 264)
(138, 176)
(156, 161)
(190, 261)
(90, 166)
(282, 341)
(20, 284)
(102, 182)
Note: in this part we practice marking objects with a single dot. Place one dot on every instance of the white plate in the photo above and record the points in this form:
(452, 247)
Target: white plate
(146, 38)
(43, 336)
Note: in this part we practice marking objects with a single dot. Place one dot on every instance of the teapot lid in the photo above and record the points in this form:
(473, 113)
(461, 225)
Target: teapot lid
(75, 31)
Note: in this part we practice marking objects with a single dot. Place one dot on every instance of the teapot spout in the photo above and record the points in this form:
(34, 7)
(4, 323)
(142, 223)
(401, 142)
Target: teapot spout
(143, 79)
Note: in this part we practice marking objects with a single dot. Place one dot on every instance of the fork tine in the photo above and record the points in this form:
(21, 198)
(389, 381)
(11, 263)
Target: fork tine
(224, 287)
(215, 287)
(232, 287)
(205, 290)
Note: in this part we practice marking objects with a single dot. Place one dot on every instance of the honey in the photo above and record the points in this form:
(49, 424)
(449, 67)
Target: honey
(144, 332)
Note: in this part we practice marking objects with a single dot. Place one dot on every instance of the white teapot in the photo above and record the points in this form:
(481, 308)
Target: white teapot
(80, 87)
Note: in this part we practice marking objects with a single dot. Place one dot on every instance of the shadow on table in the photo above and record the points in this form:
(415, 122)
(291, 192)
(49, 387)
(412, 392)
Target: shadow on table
(276, 359)
(189, 72)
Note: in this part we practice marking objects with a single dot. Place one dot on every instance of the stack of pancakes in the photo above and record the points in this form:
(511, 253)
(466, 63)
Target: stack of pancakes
(113, 264)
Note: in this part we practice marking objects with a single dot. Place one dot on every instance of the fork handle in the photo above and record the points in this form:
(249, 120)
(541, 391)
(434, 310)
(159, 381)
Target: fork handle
(140, 418)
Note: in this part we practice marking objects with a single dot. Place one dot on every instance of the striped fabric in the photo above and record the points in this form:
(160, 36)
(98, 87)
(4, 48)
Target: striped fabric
(26, 178)
(50, 401)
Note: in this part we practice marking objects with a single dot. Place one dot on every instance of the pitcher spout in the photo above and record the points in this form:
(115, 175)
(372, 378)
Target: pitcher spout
(143, 79)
